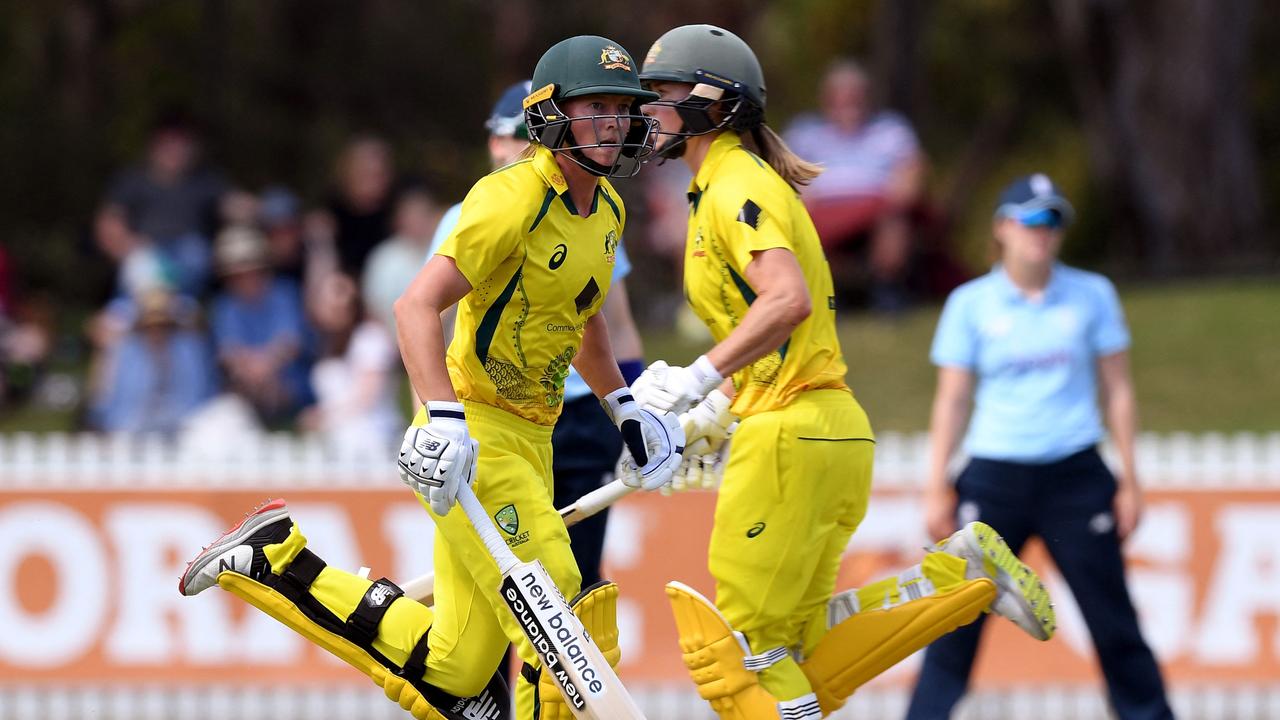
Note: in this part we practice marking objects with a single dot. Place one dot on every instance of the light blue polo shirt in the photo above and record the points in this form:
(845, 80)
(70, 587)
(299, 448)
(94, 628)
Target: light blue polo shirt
(444, 228)
(1035, 361)
(574, 386)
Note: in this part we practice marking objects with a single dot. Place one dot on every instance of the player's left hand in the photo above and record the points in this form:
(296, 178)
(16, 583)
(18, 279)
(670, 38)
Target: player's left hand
(676, 389)
(702, 468)
(654, 441)
(708, 422)
(1128, 509)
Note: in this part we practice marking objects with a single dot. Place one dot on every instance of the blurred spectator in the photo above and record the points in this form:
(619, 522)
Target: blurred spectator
(356, 378)
(396, 261)
(872, 179)
(24, 344)
(280, 217)
(258, 328)
(160, 372)
(362, 201)
(170, 200)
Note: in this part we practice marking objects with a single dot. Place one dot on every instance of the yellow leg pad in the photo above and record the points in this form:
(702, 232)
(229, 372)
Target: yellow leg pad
(279, 607)
(597, 608)
(715, 659)
(869, 642)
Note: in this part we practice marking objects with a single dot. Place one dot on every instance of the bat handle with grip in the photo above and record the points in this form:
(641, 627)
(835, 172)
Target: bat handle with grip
(497, 547)
(598, 499)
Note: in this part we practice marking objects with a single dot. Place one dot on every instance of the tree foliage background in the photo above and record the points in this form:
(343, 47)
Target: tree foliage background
(1161, 117)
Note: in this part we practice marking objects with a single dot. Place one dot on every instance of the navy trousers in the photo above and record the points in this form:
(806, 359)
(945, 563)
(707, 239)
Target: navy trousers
(585, 448)
(1068, 504)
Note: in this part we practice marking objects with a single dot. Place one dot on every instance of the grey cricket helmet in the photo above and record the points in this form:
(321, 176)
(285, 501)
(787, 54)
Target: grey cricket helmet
(706, 54)
(725, 75)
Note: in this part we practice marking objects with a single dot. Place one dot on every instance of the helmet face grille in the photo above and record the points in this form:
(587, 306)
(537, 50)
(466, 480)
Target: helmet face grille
(550, 127)
(737, 112)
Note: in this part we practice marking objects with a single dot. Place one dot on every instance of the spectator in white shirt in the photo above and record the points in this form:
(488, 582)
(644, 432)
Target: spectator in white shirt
(873, 177)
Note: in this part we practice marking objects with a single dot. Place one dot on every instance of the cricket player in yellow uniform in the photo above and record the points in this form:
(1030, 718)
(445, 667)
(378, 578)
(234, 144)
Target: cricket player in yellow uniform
(777, 644)
(529, 265)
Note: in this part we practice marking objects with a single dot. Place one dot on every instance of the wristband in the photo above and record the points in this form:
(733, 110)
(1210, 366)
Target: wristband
(631, 370)
(444, 410)
(706, 372)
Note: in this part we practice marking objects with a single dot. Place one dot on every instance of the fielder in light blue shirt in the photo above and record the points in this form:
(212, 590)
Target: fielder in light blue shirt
(1035, 361)
(1039, 352)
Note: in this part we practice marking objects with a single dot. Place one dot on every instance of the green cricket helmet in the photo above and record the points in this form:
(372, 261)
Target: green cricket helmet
(589, 65)
(725, 75)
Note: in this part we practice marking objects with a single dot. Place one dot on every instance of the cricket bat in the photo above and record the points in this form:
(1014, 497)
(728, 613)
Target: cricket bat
(590, 688)
(422, 588)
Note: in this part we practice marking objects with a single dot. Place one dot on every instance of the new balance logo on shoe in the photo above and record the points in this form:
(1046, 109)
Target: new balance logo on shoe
(482, 707)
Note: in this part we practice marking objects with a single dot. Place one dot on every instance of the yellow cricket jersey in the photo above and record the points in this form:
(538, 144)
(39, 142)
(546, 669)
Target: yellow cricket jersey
(739, 205)
(537, 271)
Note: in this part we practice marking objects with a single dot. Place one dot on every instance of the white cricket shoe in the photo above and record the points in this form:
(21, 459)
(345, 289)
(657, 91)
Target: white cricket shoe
(1020, 596)
(239, 549)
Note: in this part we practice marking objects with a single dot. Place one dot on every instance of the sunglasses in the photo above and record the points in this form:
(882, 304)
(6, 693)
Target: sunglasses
(1047, 218)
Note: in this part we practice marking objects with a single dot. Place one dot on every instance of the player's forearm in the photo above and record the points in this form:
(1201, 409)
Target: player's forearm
(1122, 421)
(623, 336)
(421, 337)
(947, 420)
(595, 361)
(1120, 405)
(767, 325)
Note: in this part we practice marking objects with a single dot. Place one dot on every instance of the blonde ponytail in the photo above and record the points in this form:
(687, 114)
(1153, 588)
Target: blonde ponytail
(766, 143)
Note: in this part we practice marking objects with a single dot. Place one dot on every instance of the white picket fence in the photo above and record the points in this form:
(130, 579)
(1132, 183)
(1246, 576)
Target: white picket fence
(226, 702)
(53, 461)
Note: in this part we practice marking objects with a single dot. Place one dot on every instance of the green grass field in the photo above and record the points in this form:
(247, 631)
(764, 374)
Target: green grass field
(1206, 358)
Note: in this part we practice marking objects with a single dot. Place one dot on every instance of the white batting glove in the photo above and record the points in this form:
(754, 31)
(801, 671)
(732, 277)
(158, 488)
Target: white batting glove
(709, 420)
(702, 468)
(437, 458)
(676, 389)
(654, 441)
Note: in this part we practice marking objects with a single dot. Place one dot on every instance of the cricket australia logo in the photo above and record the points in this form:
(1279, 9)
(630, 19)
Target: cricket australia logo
(611, 247)
(611, 58)
(699, 245)
(508, 519)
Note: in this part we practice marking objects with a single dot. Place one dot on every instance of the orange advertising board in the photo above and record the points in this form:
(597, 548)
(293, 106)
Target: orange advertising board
(88, 584)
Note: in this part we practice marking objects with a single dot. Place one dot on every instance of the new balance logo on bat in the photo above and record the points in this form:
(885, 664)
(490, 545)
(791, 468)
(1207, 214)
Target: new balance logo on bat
(538, 637)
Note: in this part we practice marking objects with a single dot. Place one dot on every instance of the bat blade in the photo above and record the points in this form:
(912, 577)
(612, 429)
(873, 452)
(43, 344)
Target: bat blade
(589, 686)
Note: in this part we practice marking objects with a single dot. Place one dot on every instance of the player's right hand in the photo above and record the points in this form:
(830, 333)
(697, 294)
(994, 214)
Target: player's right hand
(653, 441)
(437, 458)
(676, 389)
